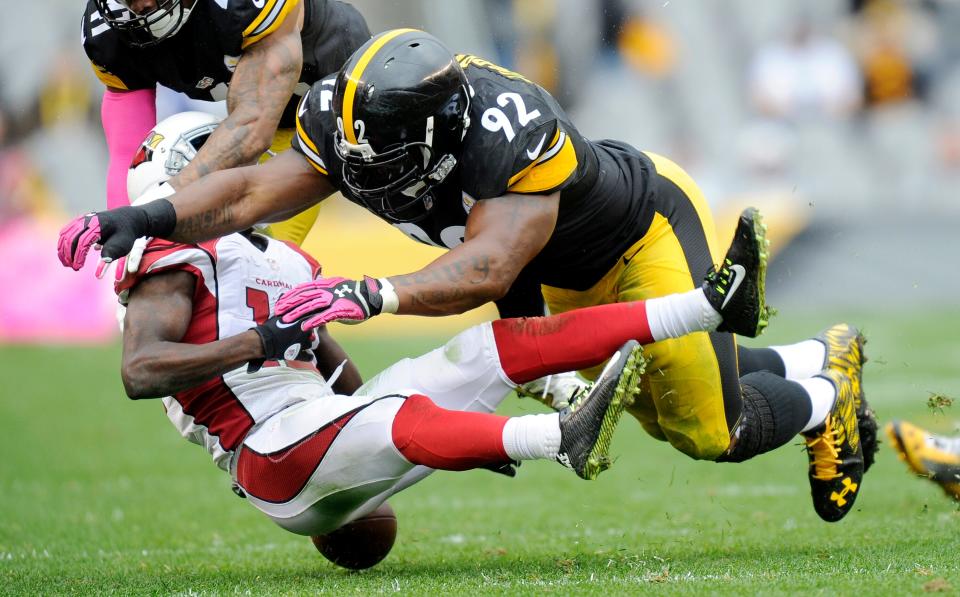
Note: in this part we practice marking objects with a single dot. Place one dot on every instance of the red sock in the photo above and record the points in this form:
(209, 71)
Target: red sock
(532, 347)
(448, 440)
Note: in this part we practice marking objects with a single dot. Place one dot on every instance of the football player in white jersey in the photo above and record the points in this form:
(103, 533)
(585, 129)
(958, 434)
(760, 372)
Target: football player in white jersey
(262, 393)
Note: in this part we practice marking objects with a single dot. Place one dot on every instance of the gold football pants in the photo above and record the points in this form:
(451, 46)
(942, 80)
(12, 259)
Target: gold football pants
(690, 395)
(294, 229)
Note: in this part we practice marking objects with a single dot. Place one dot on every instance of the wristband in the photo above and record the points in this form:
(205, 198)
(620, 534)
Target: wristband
(161, 218)
(391, 302)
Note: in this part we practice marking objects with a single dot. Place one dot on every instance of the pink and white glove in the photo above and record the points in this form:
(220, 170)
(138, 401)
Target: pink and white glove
(114, 231)
(336, 299)
(76, 240)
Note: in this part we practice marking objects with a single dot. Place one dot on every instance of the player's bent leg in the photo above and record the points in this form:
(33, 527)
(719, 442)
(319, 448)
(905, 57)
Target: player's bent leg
(463, 374)
(693, 385)
(579, 437)
(318, 465)
(774, 412)
(477, 368)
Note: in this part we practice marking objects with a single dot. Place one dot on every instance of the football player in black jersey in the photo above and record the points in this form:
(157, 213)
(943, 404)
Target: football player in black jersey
(458, 152)
(259, 55)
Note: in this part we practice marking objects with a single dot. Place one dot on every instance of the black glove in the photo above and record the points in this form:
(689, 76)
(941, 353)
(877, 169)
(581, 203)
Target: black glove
(281, 341)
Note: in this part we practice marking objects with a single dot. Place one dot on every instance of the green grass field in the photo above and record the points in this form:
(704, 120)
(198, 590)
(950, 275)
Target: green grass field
(98, 494)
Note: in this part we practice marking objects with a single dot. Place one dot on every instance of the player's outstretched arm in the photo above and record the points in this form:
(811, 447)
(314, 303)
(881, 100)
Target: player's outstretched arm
(224, 202)
(501, 238)
(260, 88)
(233, 200)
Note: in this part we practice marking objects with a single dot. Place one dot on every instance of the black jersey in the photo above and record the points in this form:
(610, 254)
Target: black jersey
(519, 141)
(200, 59)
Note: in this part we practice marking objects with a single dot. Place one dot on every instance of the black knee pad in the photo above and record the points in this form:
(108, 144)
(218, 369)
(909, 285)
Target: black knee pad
(760, 359)
(774, 411)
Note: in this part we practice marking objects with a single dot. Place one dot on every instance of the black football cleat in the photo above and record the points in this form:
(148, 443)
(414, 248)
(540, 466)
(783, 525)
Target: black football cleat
(844, 344)
(587, 425)
(928, 455)
(737, 289)
(836, 458)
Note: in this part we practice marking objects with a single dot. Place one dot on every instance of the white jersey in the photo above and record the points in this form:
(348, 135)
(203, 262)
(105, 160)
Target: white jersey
(237, 286)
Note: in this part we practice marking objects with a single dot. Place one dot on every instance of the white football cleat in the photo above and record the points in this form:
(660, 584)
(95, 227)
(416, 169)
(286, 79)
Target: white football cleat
(555, 391)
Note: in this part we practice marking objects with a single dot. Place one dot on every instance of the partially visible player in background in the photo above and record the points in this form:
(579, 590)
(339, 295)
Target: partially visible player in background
(935, 457)
(257, 391)
(258, 55)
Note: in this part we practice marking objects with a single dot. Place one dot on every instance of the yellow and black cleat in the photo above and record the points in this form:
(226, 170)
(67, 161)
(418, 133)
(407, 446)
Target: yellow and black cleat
(844, 344)
(928, 455)
(836, 458)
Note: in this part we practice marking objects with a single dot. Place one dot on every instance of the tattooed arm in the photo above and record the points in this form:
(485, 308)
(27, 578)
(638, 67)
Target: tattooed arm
(260, 88)
(502, 236)
(233, 200)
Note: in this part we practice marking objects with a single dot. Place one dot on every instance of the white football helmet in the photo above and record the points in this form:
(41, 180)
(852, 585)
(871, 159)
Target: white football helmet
(166, 151)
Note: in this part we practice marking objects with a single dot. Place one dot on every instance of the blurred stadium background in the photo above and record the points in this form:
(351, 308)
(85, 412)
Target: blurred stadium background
(839, 118)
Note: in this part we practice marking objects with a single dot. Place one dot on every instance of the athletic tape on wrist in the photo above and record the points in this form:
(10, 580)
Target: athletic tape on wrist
(161, 218)
(391, 302)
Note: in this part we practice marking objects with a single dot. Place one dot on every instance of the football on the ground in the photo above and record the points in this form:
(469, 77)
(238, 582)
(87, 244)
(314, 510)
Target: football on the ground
(362, 543)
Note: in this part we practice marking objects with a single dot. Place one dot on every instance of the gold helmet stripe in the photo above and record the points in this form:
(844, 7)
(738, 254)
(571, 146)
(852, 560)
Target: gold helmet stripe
(354, 77)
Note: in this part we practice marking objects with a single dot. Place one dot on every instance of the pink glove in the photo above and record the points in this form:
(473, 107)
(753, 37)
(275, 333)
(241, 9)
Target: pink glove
(331, 299)
(76, 239)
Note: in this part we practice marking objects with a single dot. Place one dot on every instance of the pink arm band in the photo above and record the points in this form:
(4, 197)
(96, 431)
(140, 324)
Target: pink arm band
(127, 118)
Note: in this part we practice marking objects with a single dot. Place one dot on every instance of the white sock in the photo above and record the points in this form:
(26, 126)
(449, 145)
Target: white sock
(532, 436)
(679, 314)
(803, 359)
(822, 396)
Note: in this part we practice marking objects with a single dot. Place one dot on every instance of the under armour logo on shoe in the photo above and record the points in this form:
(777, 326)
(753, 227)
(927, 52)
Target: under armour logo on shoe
(343, 290)
(840, 498)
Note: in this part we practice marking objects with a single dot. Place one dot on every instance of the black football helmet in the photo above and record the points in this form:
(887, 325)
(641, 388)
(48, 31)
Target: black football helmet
(144, 30)
(402, 106)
